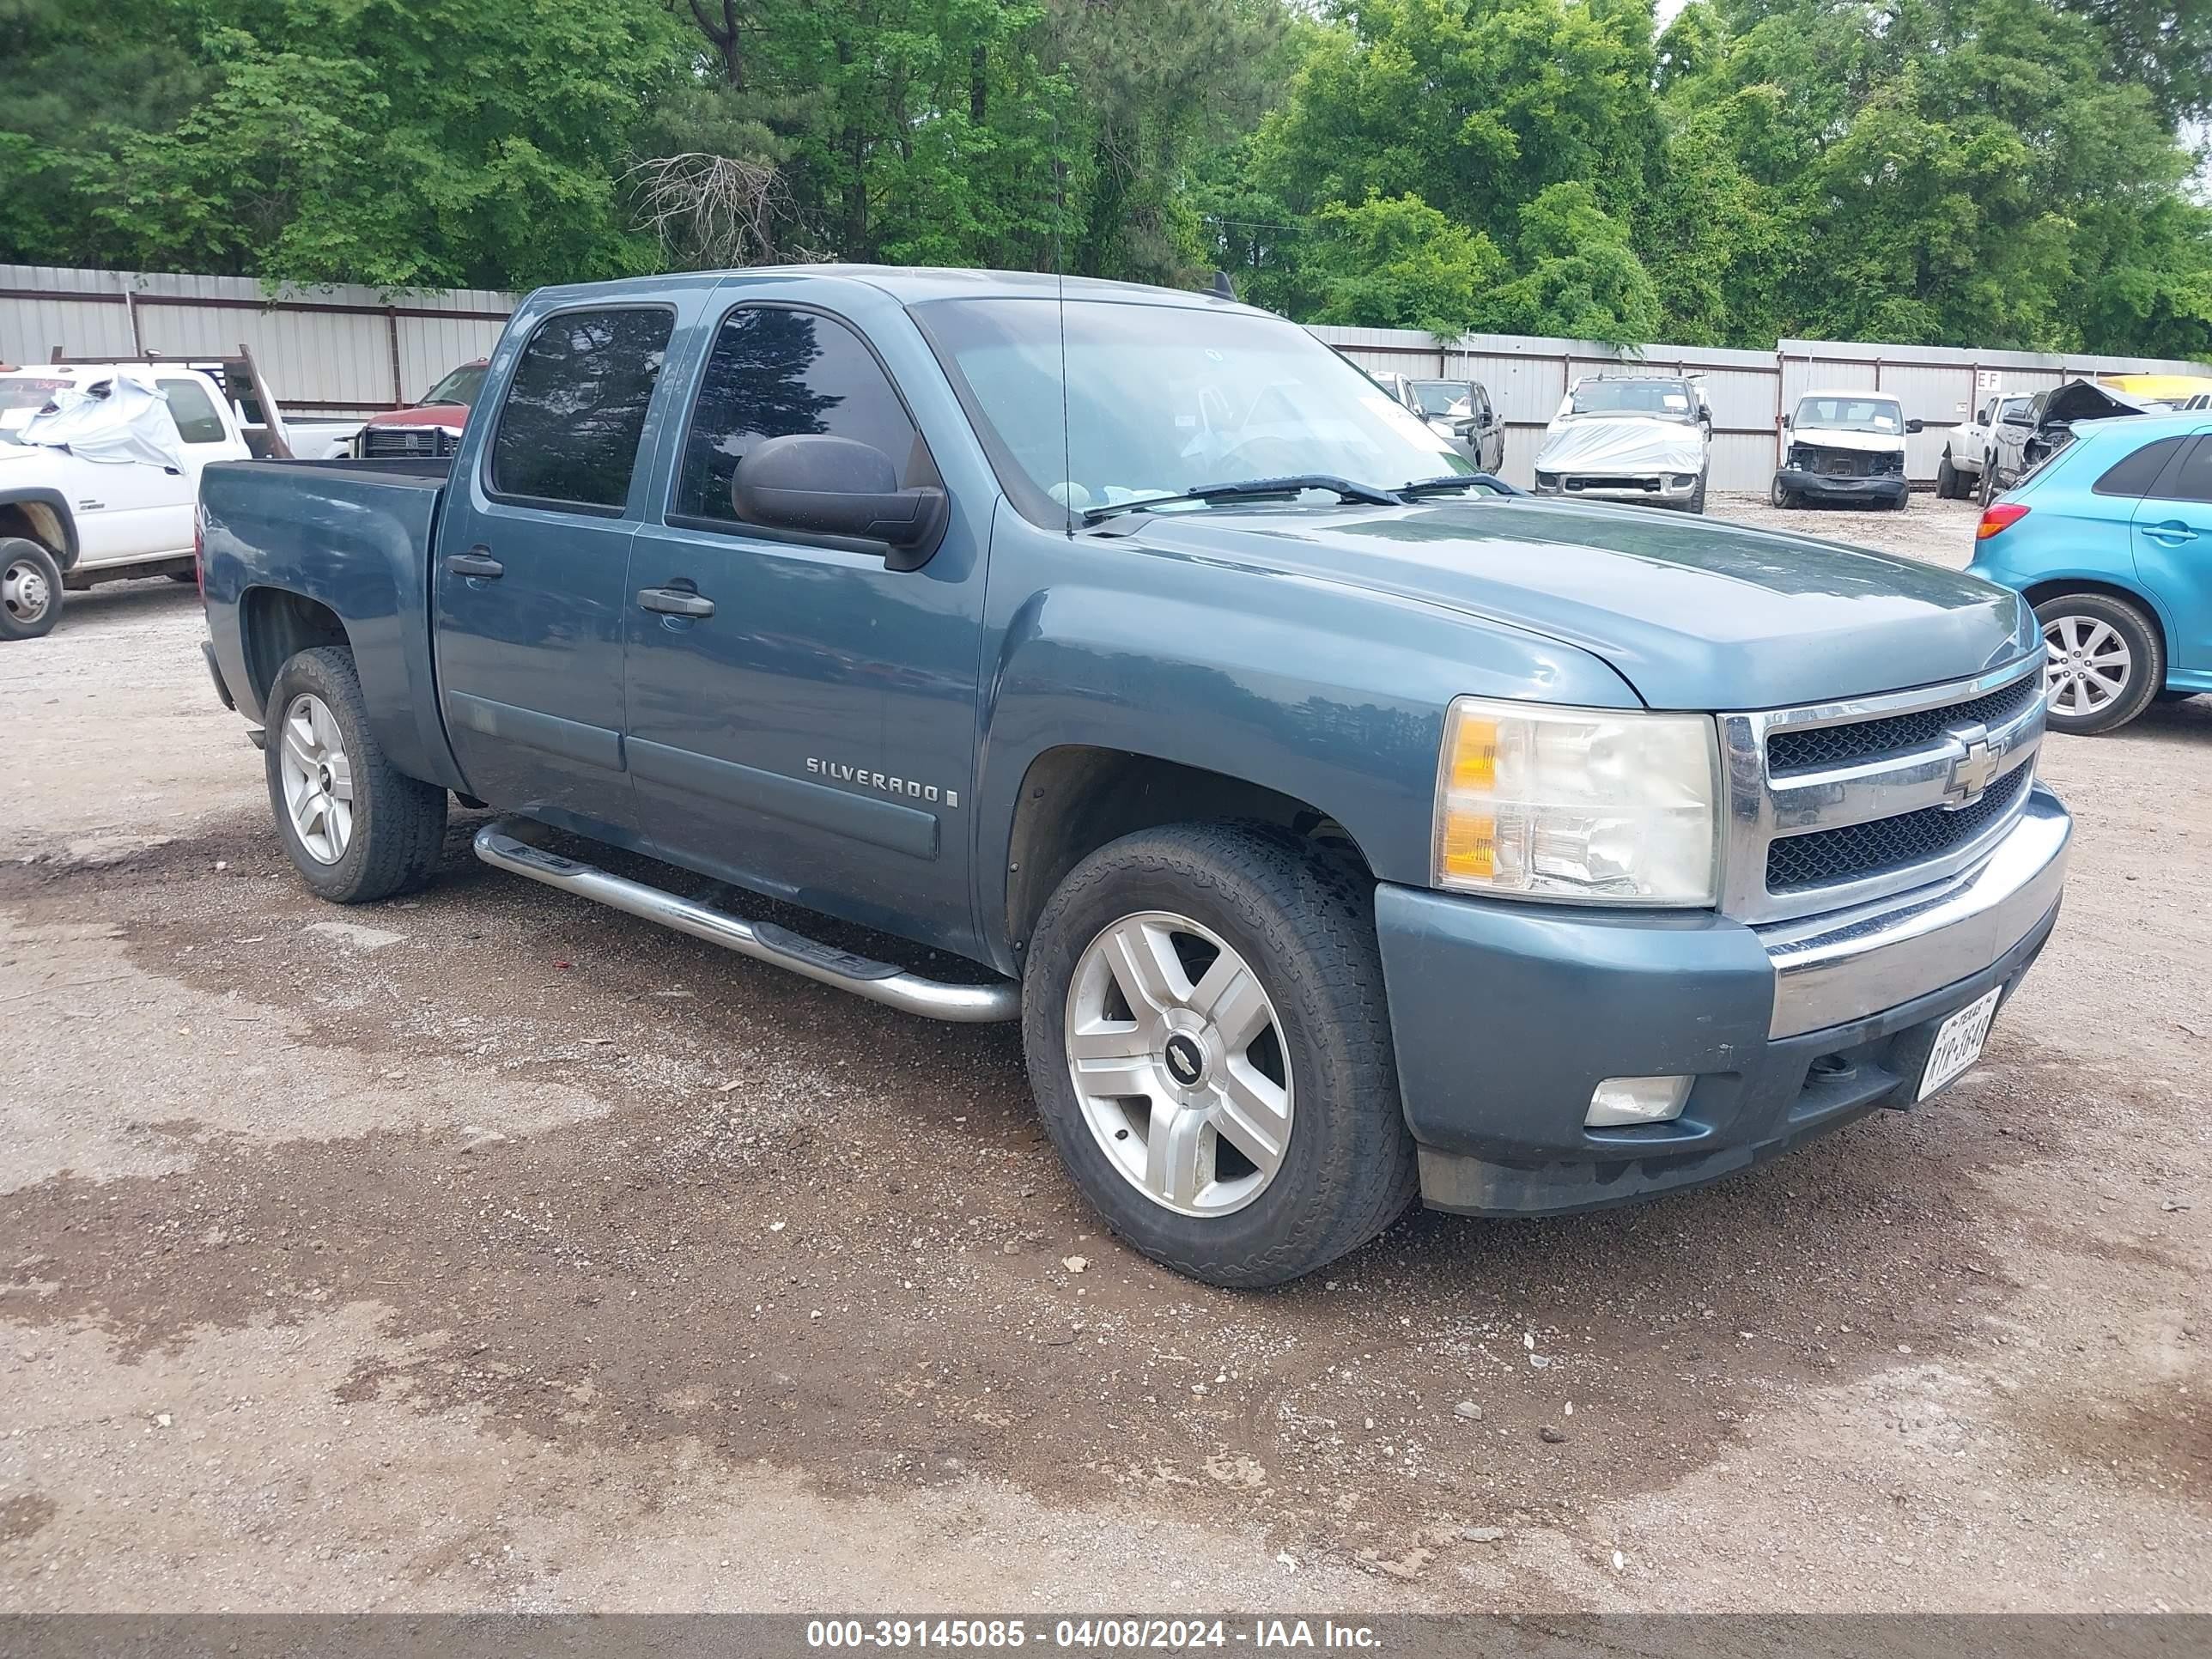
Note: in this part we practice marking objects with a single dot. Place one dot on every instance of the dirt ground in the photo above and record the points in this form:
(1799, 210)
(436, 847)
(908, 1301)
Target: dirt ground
(485, 1250)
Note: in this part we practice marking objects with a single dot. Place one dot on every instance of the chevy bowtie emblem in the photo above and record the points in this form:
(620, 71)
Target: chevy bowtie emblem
(1973, 771)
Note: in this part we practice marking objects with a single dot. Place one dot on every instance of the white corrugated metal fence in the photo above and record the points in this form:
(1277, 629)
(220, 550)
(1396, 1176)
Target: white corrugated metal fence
(335, 350)
(343, 351)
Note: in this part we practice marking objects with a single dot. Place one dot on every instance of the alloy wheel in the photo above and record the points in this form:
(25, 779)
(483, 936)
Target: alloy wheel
(318, 778)
(2086, 664)
(1179, 1064)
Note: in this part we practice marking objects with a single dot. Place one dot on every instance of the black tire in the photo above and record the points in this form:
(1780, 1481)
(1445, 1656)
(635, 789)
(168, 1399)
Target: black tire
(2145, 652)
(1780, 497)
(1946, 479)
(1988, 492)
(30, 589)
(1903, 499)
(398, 822)
(1304, 925)
(1698, 496)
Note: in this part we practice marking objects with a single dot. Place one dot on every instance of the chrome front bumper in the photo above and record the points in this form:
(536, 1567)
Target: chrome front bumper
(1832, 969)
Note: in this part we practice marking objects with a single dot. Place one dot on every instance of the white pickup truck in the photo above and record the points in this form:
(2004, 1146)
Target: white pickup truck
(1969, 444)
(99, 471)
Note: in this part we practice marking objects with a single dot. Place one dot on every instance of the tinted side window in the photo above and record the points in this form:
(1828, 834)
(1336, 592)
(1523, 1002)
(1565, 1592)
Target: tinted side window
(774, 373)
(2192, 480)
(2136, 474)
(193, 411)
(569, 430)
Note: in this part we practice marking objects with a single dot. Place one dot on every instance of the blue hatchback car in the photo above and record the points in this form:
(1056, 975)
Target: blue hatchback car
(2110, 540)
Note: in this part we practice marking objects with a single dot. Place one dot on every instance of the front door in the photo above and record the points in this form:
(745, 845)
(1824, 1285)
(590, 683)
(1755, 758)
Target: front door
(2173, 552)
(802, 718)
(533, 553)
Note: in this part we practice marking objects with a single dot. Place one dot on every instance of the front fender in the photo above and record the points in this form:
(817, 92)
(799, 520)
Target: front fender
(46, 504)
(1333, 698)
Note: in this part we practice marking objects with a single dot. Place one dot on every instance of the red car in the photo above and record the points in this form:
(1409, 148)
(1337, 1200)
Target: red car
(427, 430)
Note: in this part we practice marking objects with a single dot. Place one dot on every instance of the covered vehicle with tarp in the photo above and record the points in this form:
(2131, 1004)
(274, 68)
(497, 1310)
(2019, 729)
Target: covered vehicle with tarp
(1643, 437)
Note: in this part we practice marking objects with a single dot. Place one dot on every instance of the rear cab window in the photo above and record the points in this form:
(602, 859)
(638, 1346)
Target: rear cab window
(568, 428)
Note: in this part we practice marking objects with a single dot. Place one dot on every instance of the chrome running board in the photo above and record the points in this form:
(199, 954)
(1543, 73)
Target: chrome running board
(501, 844)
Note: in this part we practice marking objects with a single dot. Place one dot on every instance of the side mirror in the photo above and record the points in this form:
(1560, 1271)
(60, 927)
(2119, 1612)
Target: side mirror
(825, 486)
(1785, 424)
(1915, 426)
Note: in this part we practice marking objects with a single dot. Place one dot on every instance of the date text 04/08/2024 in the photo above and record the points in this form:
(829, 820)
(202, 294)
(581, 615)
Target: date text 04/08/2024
(1126, 1634)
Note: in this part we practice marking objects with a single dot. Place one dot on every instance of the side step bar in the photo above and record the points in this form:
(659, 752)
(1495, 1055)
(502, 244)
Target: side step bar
(500, 843)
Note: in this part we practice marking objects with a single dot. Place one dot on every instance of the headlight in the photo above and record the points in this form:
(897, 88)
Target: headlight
(1586, 804)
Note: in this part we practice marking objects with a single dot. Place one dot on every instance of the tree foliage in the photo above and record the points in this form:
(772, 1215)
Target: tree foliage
(2000, 172)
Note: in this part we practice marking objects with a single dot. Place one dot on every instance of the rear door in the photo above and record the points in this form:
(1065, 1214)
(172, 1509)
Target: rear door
(2173, 552)
(532, 564)
(802, 718)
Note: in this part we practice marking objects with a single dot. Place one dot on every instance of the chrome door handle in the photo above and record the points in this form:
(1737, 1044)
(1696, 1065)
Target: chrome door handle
(476, 561)
(675, 602)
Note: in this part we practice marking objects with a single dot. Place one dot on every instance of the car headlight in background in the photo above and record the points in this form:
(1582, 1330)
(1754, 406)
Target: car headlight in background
(1582, 804)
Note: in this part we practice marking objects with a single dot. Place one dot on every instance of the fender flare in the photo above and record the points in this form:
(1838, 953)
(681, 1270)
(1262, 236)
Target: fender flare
(56, 503)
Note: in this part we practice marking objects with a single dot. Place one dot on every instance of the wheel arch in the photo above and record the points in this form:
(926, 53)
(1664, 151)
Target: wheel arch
(275, 624)
(42, 516)
(1078, 797)
(2051, 587)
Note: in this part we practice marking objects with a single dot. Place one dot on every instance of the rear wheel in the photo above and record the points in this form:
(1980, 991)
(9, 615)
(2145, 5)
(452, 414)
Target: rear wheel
(1208, 1037)
(357, 828)
(2103, 661)
(30, 590)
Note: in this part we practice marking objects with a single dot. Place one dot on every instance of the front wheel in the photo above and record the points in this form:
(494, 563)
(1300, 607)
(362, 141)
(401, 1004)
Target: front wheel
(1778, 496)
(30, 590)
(1946, 479)
(1698, 495)
(2103, 662)
(358, 829)
(1988, 490)
(1206, 1032)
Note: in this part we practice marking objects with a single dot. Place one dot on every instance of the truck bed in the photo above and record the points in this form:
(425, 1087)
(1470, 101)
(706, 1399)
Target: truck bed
(354, 538)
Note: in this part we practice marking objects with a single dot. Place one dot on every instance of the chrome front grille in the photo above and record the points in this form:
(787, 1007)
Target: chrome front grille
(1796, 863)
(1837, 804)
(1809, 749)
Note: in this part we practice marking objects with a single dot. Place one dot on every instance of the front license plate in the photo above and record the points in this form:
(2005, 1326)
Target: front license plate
(1959, 1043)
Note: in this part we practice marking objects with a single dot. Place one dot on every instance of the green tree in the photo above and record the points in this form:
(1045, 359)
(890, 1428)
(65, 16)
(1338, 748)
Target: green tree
(1580, 278)
(1398, 262)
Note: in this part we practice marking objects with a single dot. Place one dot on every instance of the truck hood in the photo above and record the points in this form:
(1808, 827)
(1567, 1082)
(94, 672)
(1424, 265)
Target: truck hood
(1862, 443)
(1693, 613)
(455, 416)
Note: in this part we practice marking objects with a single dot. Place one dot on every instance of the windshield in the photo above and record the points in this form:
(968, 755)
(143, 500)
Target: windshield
(1662, 400)
(1848, 415)
(1443, 397)
(1156, 400)
(22, 396)
(460, 386)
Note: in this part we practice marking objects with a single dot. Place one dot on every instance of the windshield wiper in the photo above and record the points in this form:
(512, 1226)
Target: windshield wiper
(1244, 487)
(1453, 480)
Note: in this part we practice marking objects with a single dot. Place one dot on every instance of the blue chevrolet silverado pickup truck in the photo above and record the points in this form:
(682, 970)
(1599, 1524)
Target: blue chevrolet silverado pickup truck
(1340, 823)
